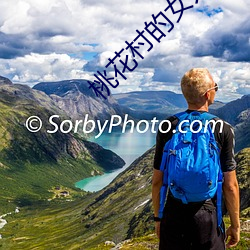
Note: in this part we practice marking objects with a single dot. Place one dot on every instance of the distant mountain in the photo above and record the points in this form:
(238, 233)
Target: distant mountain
(216, 105)
(232, 110)
(31, 163)
(152, 101)
(149, 104)
(237, 114)
(76, 99)
(242, 130)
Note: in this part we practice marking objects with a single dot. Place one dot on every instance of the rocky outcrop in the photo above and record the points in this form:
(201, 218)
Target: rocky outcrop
(242, 130)
(4, 80)
(243, 175)
(76, 100)
(232, 110)
(237, 113)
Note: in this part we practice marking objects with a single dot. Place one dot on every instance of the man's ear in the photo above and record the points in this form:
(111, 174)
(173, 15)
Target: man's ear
(207, 95)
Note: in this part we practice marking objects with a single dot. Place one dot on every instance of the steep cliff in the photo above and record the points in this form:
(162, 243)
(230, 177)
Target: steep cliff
(76, 99)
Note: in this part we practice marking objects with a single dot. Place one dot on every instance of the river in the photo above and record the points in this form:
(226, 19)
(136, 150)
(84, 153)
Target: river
(128, 146)
(3, 222)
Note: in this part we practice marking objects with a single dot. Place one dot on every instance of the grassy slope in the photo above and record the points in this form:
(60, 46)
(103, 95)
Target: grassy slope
(27, 186)
(60, 225)
(54, 225)
(150, 242)
(112, 214)
(28, 168)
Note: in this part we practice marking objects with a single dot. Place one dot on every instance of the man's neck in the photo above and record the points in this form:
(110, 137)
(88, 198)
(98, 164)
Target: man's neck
(198, 107)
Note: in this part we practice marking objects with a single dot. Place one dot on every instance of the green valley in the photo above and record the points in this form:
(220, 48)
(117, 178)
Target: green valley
(32, 163)
(120, 213)
(38, 172)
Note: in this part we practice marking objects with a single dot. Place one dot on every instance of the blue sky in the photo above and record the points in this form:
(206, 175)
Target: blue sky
(65, 39)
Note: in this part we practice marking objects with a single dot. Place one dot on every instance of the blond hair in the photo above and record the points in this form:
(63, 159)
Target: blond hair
(195, 83)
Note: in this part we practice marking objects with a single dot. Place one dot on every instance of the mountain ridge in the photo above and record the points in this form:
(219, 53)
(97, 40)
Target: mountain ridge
(230, 111)
(4, 80)
(76, 99)
(58, 159)
(237, 113)
(159, 103)
(120, 211)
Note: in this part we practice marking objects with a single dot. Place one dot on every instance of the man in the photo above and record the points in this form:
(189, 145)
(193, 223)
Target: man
(194, 225)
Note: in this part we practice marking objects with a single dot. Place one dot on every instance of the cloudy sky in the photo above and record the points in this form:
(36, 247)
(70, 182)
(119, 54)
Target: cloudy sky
(53, 40)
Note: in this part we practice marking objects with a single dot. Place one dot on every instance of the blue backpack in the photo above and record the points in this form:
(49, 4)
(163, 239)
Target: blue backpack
(191, 162)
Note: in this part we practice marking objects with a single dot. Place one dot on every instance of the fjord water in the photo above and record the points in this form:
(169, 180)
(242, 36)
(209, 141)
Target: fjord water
(128, 146)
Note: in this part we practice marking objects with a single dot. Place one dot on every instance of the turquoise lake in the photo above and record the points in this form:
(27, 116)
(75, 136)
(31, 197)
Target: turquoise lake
(129, 146)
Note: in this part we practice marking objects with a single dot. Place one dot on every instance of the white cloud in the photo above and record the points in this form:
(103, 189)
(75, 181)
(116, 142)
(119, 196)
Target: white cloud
(34, 68)
(47, 40)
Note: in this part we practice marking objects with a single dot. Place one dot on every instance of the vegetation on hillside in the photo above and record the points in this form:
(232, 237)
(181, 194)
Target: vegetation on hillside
(38, 172)
(120, 212)
(32, 163)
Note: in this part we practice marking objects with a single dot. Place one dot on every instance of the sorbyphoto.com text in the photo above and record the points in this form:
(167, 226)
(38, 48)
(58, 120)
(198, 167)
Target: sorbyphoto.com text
(88, 126)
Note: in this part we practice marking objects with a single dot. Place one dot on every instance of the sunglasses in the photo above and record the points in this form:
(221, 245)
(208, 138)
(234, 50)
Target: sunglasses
(216, 87)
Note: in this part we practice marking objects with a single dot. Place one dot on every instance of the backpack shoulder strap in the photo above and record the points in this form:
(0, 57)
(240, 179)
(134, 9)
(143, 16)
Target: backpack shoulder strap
(182, 115)
(208, 116)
